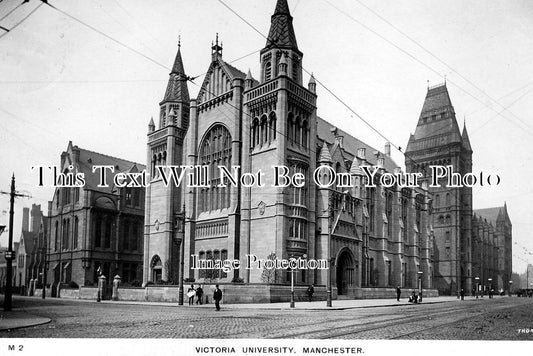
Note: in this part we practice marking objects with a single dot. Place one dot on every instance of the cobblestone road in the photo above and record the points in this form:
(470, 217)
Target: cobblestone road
(494, 319)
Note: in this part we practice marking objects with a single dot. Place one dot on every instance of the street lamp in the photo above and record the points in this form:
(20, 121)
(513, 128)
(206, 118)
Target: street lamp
(420, 273)
(477, 287)
(293, 270)
(490, 287)
(510, 288)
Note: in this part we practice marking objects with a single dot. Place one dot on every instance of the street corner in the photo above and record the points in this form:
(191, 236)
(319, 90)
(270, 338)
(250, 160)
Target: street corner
(18, 319)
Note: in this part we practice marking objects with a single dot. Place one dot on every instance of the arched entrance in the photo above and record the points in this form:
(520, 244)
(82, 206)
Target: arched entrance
(345, 272)
(157, 269)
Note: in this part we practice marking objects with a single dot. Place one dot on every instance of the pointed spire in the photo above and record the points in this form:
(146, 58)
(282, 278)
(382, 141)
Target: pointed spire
(177, 68)
(249, 80)
(325, 156)
(465, 138)
(282, 7)
(151, 125)
(177, 89)
(312, 84)
(281, 32)
(355, 169)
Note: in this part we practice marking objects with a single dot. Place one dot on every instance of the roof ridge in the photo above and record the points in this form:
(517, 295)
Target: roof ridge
(105, 155)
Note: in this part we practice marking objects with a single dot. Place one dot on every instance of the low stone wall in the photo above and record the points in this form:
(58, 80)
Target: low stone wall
(390, 293)
(239, 293)
(69, 293)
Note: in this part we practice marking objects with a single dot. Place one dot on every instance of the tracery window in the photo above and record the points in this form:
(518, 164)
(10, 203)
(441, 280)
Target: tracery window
(215, 152)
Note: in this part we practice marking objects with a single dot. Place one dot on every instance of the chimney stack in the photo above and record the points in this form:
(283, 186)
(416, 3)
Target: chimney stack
(25, 219)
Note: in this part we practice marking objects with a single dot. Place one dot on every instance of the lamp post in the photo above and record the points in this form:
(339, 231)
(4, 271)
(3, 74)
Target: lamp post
(477, 286)
(490, 287)
(420, 273)
(510, 288)
(293, 270)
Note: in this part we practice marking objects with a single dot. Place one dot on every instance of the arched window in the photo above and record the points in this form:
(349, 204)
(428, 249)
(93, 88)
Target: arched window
(290, 128)
(56, 236)
(75, 235)
(305, 134)
(215, 152)
(297, 131)
(448, 200)
(272, 127)
(157, 269)
(264, 131)
(255, 133)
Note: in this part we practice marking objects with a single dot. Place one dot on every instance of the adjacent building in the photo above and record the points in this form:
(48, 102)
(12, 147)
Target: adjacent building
(466, 245)
(92, 226)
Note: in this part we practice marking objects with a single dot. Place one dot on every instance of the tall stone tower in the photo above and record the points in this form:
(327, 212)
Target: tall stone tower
(163, 203)
(438, 141)
(280, 117)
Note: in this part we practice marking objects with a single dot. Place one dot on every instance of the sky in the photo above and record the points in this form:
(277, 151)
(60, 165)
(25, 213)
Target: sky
(98, 85)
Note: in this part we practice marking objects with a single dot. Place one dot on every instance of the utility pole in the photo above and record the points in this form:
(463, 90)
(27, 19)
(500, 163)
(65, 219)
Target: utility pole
(10, 254)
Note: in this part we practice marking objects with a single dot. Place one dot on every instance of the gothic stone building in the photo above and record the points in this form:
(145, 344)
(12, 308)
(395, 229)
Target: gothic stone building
(492, 248)
(383, 236)
(91, 226)
(464, 247)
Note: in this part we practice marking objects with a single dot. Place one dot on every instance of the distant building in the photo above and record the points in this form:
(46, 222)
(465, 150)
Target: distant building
(3, 267)
(91, 227)
(492, 247)
(28, 250)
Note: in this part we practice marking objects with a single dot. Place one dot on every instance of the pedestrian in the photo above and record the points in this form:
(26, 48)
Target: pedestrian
(191, 293)
(199, 294)
(217, 296)
(310, 291)
(398, 292)
(462, 294)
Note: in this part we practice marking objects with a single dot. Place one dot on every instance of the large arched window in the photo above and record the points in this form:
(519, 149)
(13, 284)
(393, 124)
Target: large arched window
(215, 151)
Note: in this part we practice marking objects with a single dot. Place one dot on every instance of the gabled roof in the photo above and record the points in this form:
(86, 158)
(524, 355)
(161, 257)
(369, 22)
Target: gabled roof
(352, 144)
(29, 239)
(437, 120)
(281, 32)
(230, 71)
(88, 159)
(494, 214)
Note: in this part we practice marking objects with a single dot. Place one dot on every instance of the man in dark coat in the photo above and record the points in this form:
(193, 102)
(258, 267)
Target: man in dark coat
(462, 294)
(398, 292)
(310, 292)
(199, 295)
(217, 296)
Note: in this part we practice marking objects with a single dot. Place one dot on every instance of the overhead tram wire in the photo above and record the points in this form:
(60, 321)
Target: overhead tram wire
(11, 11)
(22, 20)
(342, 102)
(440, 60)
(107, 36)
(418, 61)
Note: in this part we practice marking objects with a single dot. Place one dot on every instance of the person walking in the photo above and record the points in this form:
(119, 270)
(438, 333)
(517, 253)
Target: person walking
(398, 293)
(191, 292)
(310, 291)
(462, 294)
(199, 294)
(217, 296)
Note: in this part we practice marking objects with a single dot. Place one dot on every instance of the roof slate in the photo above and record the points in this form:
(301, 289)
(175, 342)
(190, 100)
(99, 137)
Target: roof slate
(352, 144)
(281, 32)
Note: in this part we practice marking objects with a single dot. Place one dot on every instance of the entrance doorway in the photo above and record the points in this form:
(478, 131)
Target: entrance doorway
(345, 272)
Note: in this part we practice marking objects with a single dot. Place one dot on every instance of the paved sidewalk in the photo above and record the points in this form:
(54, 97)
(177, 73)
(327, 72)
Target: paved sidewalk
(16, 319)
(20, 319)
